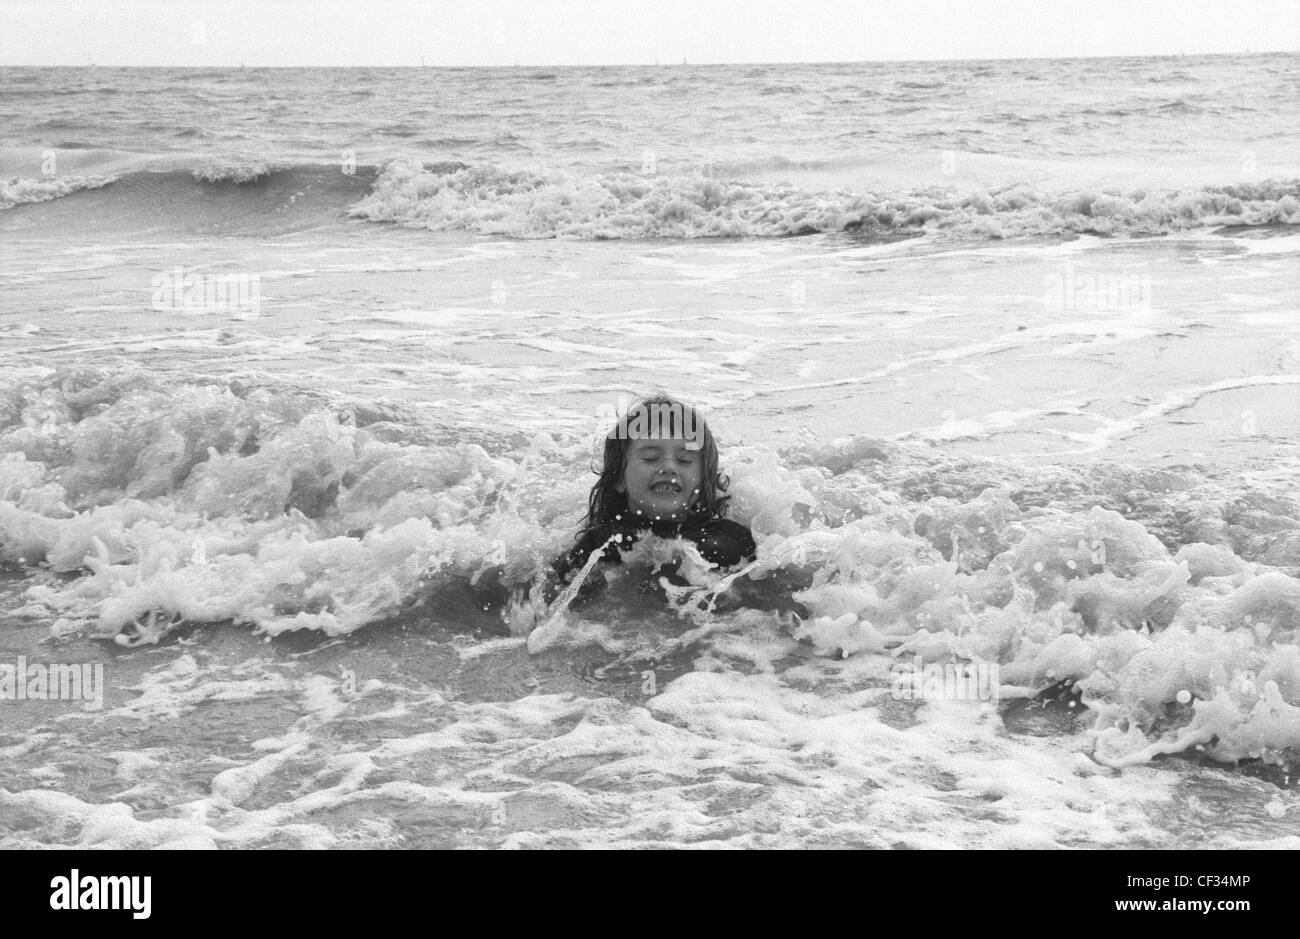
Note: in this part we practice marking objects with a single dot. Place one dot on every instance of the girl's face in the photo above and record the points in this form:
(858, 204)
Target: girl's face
(662, 477)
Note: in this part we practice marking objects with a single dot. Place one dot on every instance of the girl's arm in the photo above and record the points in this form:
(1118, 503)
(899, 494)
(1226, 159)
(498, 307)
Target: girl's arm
(563, 567)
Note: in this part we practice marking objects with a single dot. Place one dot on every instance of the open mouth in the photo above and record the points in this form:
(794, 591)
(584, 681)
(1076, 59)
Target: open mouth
(666, 487)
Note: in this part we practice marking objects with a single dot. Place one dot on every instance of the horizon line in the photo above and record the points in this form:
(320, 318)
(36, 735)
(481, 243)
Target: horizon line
(686, 64)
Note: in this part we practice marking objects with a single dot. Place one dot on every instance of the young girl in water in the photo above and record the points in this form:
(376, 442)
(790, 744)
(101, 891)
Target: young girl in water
(660, 475)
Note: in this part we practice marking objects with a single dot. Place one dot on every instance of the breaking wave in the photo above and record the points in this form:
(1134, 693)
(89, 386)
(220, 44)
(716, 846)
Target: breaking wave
(1165, 600)
(488, 199)
(556, 204)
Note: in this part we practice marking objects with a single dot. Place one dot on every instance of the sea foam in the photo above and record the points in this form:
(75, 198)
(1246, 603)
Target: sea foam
(551, 203)
(1169, 602)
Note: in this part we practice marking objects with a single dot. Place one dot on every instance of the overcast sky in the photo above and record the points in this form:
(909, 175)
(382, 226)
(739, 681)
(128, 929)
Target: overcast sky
(617, 32)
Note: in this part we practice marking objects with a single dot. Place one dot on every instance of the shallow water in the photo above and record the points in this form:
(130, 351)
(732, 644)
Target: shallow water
(1069, 453)
(222, 740)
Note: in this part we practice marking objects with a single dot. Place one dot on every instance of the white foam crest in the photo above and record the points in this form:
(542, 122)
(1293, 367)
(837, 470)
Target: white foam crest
(25, 191)
(236, 169)
(549, 203)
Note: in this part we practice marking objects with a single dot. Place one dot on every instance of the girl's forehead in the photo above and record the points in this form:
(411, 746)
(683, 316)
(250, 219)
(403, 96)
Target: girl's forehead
(678, 445)
(662, 421)
(641, 443)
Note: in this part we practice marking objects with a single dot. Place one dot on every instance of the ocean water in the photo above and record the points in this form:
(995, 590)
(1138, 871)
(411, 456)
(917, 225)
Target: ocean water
(297, 366)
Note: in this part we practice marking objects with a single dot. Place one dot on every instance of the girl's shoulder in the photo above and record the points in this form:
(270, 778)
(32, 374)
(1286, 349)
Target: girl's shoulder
(730, 526)
(715, 523)
(724, 540)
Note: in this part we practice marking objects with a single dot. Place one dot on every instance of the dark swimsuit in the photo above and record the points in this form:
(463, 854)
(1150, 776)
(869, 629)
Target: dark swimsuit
(720, 541)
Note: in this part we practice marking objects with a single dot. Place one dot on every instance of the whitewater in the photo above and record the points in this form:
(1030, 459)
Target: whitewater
(1004, 363)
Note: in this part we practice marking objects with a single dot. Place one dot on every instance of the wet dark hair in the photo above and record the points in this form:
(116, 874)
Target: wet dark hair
(606, 503)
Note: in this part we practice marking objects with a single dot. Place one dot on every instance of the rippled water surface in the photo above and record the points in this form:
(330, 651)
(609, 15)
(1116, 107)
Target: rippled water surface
(1003, 362)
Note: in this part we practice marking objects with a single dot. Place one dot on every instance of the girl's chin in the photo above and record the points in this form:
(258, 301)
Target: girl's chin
(665, 509)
